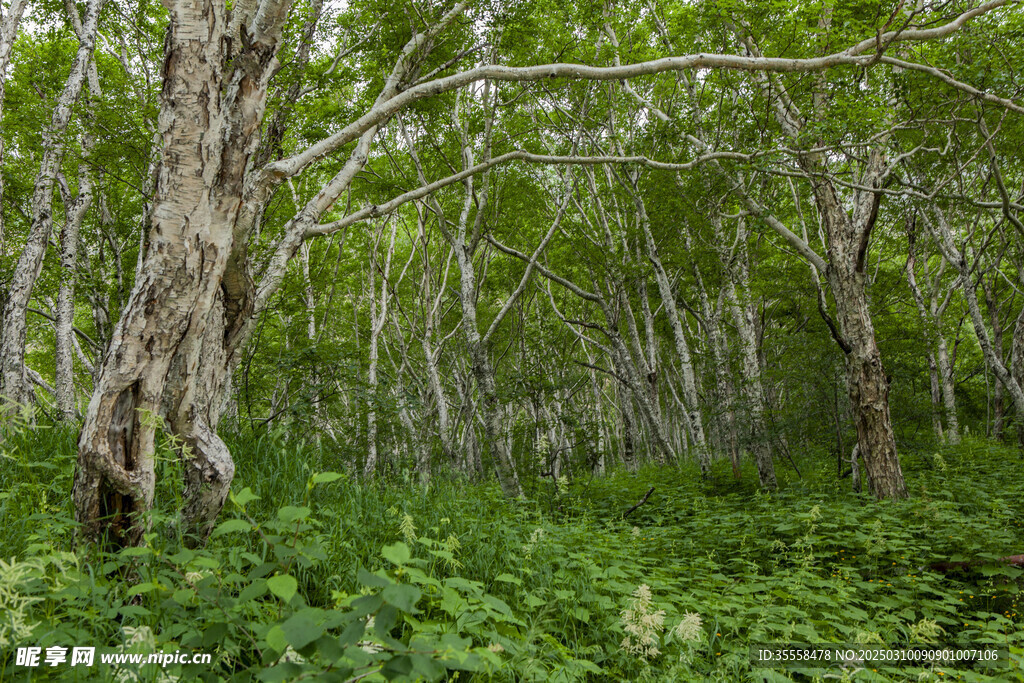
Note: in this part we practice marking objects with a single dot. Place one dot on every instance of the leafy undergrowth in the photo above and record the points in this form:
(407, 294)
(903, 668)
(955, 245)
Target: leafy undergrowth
(312, 575)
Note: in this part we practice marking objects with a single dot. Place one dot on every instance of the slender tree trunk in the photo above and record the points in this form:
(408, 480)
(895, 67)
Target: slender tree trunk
(8, 32)
(630, 433)
(378, 318)
(431, 356)
(743, 318)
(948, 388)
(64, 382)
(13, 380)
(936, 394)
(998, 407)
(943, 397)
(943, 234)
(483, 373)
(1017, 371)
(75, 212)
(690, 396)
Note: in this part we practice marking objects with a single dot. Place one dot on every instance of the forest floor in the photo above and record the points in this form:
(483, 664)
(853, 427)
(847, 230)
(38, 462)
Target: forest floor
(312, 575)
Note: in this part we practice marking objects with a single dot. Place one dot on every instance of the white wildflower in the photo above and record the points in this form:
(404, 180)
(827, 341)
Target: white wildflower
(290, 655)
(536, 537)
(642, 625)
(562, 485)
(452, 546)
(140, 635)
(925, 631)
(407, 528)
(15, 627)
(689, 628)
(192, 578)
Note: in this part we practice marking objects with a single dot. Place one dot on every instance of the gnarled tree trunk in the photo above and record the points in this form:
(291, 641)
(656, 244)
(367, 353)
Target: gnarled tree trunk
(213, 101)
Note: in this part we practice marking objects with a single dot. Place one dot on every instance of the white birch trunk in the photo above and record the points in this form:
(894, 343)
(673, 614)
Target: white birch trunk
(64, 382)
(743, 318)
(690, 398)
(8, 32)
(13, 379)
(210, 114)
(378, 318)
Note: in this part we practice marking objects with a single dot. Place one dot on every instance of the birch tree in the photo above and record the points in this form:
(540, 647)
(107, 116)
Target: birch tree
(196, 299)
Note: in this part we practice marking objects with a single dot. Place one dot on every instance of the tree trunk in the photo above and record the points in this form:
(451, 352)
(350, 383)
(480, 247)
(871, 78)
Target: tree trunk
(690, 396)
(743, 318)
(992, 304)
(868, 383)
(943, 234)
(8, 32)
(212, 105)
(483, 373)
(938, 360)
(945, 369)
(13, 379)
(193, 403)
(936, 394)
(64, 381)
(378, 318)
(1017, 371)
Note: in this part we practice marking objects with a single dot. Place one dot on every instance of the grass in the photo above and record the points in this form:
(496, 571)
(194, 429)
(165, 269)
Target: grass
(461, 583)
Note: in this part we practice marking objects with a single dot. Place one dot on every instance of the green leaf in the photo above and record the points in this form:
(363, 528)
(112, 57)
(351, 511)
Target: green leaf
(425, 667)
(397, 666)
(397, 553)
(277, 639)
(372, 580)
(230, 525)
(352, 633)
(243, 497)
(325, 477)
(535, 601)
(402, 596)
(291, 513)
(387, 617)
(254, 590)
(286, 671)
(283, 586)
(302, 629)
(142, 588)
(508, 578)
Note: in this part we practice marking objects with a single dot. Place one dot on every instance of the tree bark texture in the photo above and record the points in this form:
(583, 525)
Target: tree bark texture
(211, 106)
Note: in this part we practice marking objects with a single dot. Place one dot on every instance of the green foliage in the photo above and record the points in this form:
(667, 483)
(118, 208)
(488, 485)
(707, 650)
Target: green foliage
(313, 575)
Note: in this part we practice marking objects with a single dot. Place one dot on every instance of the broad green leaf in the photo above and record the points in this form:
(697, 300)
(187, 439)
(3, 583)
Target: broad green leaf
(397, 553)
(402, 596)
(227, 526)
(283, 586)
(302, 629)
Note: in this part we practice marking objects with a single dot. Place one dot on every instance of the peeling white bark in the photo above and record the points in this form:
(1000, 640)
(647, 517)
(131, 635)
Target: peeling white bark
(212, 105)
